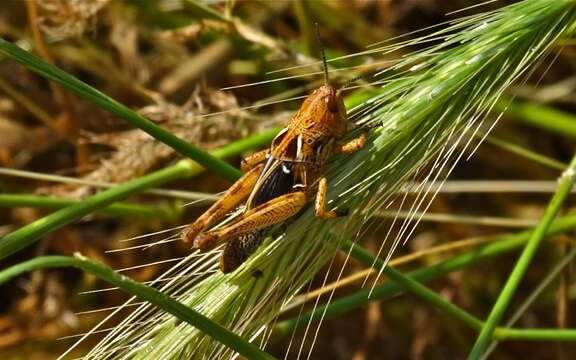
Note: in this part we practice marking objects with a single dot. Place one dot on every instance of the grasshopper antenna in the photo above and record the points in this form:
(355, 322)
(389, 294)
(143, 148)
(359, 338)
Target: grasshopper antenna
(356, 78)
(325, 64)
(359, 77)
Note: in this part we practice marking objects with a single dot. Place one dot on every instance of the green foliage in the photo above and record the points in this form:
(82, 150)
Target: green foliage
(143, 292)
(433, 103)
(444, 93)
(86, 91)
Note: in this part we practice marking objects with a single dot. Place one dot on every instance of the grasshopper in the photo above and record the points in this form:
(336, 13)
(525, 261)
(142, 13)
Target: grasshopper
(278, 181)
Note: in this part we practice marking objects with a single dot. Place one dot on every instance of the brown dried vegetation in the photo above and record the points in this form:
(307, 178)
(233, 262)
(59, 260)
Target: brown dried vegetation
(167, 63)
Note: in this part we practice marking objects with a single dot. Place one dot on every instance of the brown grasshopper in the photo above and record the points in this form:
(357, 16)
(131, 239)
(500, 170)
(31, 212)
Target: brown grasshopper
(279, 181)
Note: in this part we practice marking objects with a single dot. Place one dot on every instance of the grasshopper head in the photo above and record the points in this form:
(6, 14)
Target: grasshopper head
(326, 104)
(327, 112)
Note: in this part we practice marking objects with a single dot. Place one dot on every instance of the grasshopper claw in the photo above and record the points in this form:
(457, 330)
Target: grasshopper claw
(205, 241)
(342, 212)
(373, 125)
(189, 233)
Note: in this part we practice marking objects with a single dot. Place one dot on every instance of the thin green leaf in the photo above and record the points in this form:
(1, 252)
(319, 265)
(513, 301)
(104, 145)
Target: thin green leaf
(540, 116)
(103, 101)
(359, 299)
(144, 292)
(505, 297)
(526, 153)
(32, 232)
(118, 209)
(408, 283)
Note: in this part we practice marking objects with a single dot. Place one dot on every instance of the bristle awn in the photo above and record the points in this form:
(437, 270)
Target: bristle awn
(110, 308)
(439, 99)
(484, 3)
(189, 195)
(315, 64)
(167, 240)
(143, 236)
(254, 106)
(316, 303)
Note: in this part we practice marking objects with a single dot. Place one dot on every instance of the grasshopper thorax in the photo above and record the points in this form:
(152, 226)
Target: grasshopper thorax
(320, 121)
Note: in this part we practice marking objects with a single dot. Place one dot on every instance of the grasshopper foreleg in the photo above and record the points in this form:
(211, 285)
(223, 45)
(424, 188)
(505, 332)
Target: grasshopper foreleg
(320, 204)
(257, 158)
(352, 145)
(271, 212)
(229, 201)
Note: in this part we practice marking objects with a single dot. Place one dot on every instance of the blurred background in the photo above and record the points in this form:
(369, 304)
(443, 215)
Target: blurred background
(171, 60)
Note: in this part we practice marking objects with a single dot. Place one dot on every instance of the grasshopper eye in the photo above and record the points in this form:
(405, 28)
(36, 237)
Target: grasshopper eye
(332, 105)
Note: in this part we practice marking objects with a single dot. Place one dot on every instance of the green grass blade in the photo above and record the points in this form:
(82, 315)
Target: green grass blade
(535, 334)
(416, 288)
(143, 292)
(545, 283)
(526, 153)
(540, 116)
(30, 233)
(408, 283)
(233, 149)
(361, 298)
(103, 101)
(118, 209)
(564, 189)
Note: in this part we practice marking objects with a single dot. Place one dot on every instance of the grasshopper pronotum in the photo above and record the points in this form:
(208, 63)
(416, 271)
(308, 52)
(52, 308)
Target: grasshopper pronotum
(278, 181)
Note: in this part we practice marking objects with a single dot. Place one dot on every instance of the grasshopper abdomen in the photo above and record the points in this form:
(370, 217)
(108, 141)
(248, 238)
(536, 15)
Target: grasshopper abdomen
(276, 179)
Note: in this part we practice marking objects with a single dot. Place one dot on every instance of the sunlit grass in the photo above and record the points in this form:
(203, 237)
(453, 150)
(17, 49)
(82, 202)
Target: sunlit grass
(431, 105)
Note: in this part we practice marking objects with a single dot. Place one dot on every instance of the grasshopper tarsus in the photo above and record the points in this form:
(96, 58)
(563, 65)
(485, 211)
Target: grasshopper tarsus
(189, 234)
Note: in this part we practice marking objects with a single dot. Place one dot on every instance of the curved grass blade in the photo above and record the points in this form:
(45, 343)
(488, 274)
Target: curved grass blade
(119, 209)
(432, 102)
(103, 101)
(28, 234)
(556, 121)
(144, 292)
(505, 297)
(501, 246)
(408, 283)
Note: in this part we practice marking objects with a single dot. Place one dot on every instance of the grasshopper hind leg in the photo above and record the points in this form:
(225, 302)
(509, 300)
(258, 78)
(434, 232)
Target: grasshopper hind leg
(237, 251)
(237, 193)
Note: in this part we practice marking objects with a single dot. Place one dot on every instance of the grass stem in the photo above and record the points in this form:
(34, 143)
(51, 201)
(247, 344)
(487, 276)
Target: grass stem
(408, 283)
(118, 209)
(554, 206)
(361, 298)
(540, 116)
(30, 233)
